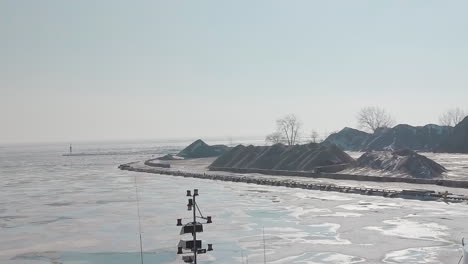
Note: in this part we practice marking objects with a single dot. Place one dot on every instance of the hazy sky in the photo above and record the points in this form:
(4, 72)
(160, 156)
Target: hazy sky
(92, 70)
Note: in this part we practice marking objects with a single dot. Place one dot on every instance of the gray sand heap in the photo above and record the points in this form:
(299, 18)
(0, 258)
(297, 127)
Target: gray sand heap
(457, 141)
(169, 157)
(281, 157)
(349, 139)
(405, 161)
(418, 138)
(199, 149)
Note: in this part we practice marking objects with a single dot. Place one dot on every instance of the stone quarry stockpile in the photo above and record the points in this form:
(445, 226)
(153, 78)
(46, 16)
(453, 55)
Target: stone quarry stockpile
(421, 138)
(281, 157)
(457, 141)
(348, 139)
(169, 157)
(199, 149)
(405, 161)
(425, 138)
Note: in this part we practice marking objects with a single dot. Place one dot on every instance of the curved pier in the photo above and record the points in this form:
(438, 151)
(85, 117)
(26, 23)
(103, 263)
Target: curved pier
(425, 195)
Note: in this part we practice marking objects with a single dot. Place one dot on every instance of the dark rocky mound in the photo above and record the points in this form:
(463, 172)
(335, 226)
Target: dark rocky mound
(457, 141)
(425, 138)
(420, 138)
(349, 139)
(404, 161)
(169, 157)
(282, 157)
(199, 149)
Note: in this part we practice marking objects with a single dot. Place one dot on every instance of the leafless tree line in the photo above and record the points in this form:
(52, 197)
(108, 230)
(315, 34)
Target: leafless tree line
(288, 129)
(372, 118)
(452, 117)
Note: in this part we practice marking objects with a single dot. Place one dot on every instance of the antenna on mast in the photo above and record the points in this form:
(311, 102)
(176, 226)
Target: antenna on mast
(139, 220)
(193, 227)
(264, 253)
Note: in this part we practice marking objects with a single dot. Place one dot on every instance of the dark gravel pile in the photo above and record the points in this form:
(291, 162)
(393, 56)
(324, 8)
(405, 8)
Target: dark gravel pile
(457, 142)
(199, 149)
(405, 161)
(426, 138)
(281, 157)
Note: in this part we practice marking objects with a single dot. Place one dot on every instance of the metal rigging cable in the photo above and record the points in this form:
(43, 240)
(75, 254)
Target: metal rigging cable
(139, 220)
(199, 211)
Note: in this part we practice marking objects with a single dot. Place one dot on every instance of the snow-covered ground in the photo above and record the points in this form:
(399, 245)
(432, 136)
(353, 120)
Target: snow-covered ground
(456, 164)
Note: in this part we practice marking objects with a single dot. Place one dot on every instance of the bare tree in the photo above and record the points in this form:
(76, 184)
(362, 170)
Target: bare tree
(289, 126)
(371, 118)
(287, 131)
(452, 117)
(314, 135)
(274, 138)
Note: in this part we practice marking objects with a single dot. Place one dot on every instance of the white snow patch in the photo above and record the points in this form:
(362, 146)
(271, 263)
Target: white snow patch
(411, 229)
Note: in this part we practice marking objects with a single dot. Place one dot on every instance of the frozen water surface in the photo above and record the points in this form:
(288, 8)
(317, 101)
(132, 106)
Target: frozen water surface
(82, 210)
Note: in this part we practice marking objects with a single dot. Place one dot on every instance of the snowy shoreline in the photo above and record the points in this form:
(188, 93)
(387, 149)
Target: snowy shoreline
(197, 168)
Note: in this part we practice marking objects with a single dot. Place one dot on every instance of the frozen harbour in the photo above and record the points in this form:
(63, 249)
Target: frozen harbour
(56, 209)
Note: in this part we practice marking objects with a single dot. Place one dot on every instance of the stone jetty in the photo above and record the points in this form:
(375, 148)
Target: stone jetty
(419, 194)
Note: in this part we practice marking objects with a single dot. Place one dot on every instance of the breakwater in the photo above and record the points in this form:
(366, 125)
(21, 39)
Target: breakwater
(426, 195)
(157, 164)
(340, 176)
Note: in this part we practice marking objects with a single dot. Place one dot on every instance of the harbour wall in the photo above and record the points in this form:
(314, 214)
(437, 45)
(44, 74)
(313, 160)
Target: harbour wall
(426, 195)
(339, 176)
(157, 164)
